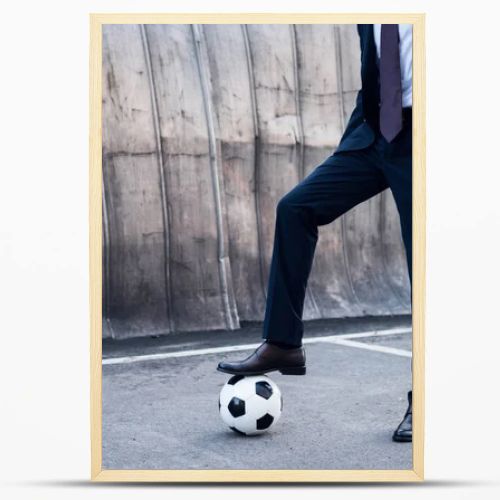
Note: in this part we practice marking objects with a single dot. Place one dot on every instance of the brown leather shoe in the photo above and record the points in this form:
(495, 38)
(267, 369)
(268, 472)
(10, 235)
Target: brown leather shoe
(404, 432)
(268, 358)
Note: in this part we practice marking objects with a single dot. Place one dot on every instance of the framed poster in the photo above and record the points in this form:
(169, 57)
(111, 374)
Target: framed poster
(257, 247)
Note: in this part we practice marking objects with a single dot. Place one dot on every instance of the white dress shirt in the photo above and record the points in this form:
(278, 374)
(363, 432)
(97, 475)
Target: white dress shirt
(405, 58)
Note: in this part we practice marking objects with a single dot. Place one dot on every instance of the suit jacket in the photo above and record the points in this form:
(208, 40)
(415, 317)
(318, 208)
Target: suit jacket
(363, 124)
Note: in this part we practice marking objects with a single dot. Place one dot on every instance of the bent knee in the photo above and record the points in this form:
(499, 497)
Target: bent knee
(288, 203)
(295, 205)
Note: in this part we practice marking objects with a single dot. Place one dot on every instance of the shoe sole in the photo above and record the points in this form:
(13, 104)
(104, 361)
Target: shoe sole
(289, 370)
(401, 439)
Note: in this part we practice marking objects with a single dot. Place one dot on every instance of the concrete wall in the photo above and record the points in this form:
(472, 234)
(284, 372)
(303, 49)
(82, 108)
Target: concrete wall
(205, 127)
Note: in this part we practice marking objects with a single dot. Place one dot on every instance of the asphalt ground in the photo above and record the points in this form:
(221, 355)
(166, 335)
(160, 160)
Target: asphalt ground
(163, 413)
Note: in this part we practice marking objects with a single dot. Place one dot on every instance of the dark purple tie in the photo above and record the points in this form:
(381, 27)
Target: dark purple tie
(391, 112)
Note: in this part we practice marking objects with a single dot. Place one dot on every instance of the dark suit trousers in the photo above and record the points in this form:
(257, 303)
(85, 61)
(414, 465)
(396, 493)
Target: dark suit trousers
(341, 182)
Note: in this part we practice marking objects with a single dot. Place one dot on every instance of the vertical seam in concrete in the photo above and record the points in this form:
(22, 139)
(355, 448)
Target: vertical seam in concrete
(300, 125)
(230, 313)
(163, 185)
(300, 140)
(340, 93)
(394, 290)
(107, 260)
(257, 147)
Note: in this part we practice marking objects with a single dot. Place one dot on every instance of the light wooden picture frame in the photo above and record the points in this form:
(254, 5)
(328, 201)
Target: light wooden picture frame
(96, 234)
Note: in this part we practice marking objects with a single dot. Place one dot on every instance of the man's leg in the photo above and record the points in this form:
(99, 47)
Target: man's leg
(398, 174)
(338, 184)
(342, 181)
(399, 177)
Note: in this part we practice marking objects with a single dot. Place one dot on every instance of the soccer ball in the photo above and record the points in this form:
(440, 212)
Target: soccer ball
(250, 405)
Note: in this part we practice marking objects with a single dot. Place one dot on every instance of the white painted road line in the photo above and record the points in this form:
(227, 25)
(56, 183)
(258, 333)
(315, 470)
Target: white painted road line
(343, 339)
(359, 335)
(372, 347)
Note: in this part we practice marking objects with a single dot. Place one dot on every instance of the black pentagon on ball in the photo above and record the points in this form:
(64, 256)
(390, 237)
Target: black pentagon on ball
(236, 378)
(236, 407)
(263, 389)
(264, 422)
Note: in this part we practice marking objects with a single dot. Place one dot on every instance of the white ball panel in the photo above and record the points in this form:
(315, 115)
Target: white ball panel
(274, 408)
(244, 388)
(245, 424)
(257, 406)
